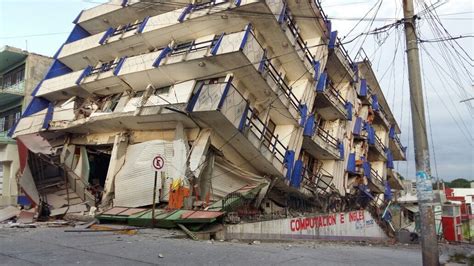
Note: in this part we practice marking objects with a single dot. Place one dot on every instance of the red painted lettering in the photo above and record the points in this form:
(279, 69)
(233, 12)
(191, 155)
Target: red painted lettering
(292, 225)
(342, 218)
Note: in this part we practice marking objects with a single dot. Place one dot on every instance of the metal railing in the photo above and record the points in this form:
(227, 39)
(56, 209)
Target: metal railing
(328, 138)
(125, 28)
(333, 92)
(17, 88)
(299, 40)
(378, 141)
(207, 4)
(315, 180)
(318, 6)
(277, 78)
(344, 52)
(375, 176)
(265, 135)
(193, 46)
(104, 67)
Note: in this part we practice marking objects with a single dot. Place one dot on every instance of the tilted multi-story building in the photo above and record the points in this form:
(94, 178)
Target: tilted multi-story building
(20, 72)
(236, 96)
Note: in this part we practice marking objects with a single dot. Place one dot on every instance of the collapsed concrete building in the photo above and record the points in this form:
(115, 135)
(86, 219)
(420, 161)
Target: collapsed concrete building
(244, 97)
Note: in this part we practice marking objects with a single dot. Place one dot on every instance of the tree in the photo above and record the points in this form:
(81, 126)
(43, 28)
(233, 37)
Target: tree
(459, 183)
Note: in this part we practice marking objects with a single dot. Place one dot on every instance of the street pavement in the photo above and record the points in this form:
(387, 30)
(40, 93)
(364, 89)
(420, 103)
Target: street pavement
(54, 246)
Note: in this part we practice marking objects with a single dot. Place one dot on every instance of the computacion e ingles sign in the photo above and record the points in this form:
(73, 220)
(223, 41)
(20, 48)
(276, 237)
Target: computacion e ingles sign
(356, 217)
(355, 225)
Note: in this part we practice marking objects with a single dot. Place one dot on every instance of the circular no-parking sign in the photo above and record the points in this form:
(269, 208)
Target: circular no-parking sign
(158, 163)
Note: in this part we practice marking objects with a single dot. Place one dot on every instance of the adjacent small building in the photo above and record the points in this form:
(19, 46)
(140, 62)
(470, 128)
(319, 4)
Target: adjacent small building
(20, 72)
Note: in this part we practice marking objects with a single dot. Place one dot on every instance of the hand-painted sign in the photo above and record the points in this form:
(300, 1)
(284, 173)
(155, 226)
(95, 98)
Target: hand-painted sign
(158, 163)
(352, 225)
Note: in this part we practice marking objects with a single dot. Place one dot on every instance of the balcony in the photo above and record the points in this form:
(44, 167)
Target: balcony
(191, 22)
(376, 147)
(222, 107)
(329, 103)
(119, 12)
(339, 64)
(319, 143)
(303, 10)
(380, 117)
(14, 89)
(393, 179)
(4, 139)
(398, 150)
(316, 182)
(206, 57)
(376, 181)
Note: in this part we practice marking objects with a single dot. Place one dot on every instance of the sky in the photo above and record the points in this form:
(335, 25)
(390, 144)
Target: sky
(42, 26)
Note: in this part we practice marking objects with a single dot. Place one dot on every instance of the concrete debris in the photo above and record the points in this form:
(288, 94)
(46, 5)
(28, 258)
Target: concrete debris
(26, 217)
(255, 242)
(160, 256)
(8, 213)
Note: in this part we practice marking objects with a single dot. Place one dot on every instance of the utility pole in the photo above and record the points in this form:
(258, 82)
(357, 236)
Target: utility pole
(424, 187)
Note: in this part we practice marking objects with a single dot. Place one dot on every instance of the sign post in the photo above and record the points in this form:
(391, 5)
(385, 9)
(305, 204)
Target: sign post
(158, 164)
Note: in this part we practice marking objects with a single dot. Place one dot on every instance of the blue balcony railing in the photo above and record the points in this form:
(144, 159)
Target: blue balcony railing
(193, 46)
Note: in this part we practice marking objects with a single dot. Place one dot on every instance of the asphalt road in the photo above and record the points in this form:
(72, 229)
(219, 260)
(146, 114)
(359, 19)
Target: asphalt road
(53, 246)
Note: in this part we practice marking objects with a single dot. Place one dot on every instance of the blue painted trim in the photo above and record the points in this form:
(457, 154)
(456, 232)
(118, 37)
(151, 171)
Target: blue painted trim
(370, 134)
(375, 103)
(332, 40)
(366, 167)
(282, 16)
(248, 28)
(84, 74)
(119, 65)
(387, 195)
(55, 56)
(363, 88)
(304, 114)
(224, 93)
(143, 25)
(351, 164)
(355, 68)
(162, 55)
(77, 18)
(297, 174)
(244, 118)
(357, 126)
(106, 35)
(77, 33)
(288, 161)
(309, 128)
(217, 45)
(389, 159)
(261, 66)
(194, 99)
(124, 3)
(365, 191)
(391, 132)
(340, 146)
(49, 116)
(237, 2)
(316, 67)
(329, 26)
(348, 107)
(56, 69)
(186, 11)
(321, 85)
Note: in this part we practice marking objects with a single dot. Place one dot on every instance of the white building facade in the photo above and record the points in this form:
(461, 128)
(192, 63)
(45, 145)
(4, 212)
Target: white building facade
(232, 94)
